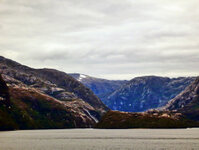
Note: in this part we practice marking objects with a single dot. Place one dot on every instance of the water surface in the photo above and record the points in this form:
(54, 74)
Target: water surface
(94, 139)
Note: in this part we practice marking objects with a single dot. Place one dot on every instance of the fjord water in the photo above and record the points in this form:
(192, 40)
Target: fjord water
(97, 139)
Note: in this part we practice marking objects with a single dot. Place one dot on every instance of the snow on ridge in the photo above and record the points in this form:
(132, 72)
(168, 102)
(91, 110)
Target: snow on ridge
(81, 77)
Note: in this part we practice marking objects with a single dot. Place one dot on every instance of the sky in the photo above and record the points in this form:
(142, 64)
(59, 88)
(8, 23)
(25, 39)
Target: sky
(112, 39)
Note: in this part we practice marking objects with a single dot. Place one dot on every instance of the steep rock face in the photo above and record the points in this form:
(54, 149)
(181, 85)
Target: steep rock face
(187, 102)
(52, 82)
(101, 87)
(143, 93)
(4, 92)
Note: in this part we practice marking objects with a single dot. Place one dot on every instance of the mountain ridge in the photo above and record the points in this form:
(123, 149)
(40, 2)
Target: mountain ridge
(187, 102)
(147, 92)
(45, 98)
(12, 68)
(137, 95)
(101, 87)
(180, 112)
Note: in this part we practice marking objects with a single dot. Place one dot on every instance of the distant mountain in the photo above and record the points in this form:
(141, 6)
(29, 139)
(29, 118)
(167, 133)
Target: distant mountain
(50, 90)
(187, 102)
(101, 87)
(143, 93)
(180, 112)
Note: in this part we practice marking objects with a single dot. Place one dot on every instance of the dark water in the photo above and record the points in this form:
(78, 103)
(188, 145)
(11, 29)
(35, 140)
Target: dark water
(92, 139)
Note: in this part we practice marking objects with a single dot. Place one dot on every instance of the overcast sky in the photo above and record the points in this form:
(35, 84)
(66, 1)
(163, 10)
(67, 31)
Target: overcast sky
(113, 39)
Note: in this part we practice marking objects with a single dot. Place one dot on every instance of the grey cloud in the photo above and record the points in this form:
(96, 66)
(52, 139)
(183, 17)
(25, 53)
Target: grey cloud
(110, 38)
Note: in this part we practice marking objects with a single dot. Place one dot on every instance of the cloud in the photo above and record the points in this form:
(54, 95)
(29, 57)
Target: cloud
(111, 38)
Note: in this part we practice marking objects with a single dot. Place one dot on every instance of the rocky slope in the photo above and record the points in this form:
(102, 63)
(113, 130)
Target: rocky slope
(143, 93)
(30, 109)
(101, 87)
(49, 81)
(43, 94)
(187, 102)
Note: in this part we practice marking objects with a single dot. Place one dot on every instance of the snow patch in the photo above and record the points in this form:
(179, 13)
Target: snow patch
(81, 77)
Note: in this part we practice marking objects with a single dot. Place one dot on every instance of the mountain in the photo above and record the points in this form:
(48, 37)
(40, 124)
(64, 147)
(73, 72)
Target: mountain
(187, 102)
(46, 94)
(101, 87)
(53, 82)
(30, 109)
(180, 112)
(143, 93)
